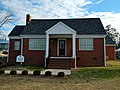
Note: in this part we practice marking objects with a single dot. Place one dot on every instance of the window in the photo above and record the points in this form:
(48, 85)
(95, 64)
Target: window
(17, 45)
(36, 44)
(6, 46)
(86, 44)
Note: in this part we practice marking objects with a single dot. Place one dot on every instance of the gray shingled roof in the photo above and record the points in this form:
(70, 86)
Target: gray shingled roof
(109, 40)
(16, 31)
(83, 26)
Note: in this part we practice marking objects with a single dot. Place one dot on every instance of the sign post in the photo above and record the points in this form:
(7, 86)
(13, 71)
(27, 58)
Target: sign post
(20, 59)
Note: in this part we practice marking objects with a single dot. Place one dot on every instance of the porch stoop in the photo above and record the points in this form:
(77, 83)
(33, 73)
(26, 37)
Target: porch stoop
(59, 63)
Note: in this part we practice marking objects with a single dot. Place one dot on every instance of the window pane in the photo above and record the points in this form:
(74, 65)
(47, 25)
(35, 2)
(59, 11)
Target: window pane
(86, 44)
(31, 44)
(36, 44)
(17, 45)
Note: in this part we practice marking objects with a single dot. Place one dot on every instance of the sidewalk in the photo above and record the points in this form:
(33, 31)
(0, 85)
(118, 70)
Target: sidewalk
(54, 71)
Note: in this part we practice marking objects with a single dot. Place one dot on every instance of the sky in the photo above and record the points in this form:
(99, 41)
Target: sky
(107, 10)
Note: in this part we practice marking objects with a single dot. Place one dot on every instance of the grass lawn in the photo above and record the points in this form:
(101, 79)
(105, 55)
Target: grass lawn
(87, 78)
(21, 67)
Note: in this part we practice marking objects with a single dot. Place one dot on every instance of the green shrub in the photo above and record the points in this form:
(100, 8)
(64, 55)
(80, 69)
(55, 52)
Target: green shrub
(2, 71)
(61, 74)
(36, 72)
(25, 72)
(13, 72)
(48, 73)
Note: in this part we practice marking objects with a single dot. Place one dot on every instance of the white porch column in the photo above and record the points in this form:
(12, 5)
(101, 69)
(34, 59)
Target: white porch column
(21, 46)
(104, 52)
(74, 47)
(47, 48)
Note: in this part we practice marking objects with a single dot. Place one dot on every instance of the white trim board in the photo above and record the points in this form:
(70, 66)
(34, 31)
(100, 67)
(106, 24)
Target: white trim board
(33, 36)
(90, 36)
(15, 37)
(110, 45)
(55, 36)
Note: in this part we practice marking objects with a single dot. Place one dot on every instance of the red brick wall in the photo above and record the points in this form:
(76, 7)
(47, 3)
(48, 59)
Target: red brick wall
(33, 57)
(13, 53)
(53, 46)
(72, 63)
(91, 58)
(110, 52)
(84, 58)
(69, 47)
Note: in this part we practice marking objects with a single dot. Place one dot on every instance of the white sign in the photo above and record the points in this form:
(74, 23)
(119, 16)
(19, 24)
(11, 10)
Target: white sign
(20, 58)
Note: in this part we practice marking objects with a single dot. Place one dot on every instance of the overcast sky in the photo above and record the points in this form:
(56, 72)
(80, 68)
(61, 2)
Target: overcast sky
(107, 10)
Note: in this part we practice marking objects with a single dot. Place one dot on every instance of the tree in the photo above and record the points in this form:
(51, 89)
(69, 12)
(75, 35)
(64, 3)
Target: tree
(5, 18)
(112, 32)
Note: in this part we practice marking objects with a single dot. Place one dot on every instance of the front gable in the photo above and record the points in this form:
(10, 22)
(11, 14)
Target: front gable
(60, 28)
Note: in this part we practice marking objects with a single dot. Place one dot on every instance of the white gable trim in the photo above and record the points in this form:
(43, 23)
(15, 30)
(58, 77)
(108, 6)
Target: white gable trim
(60, 28)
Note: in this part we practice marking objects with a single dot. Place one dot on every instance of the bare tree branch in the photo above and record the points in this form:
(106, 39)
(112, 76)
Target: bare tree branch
(5, 20)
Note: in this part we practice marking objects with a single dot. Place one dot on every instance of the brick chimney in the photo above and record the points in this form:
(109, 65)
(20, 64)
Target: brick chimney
(28, 19)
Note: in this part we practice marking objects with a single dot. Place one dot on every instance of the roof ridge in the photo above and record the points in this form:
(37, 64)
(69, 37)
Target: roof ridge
(63, 19)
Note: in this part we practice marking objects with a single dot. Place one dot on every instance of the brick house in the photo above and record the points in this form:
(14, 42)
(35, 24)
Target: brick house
(110, 48)
(4, 44)
(59, 43)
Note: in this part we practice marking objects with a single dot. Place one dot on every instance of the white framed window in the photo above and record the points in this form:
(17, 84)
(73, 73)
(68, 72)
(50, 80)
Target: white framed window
(17, 45)
(86, 44)
(36, 44)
